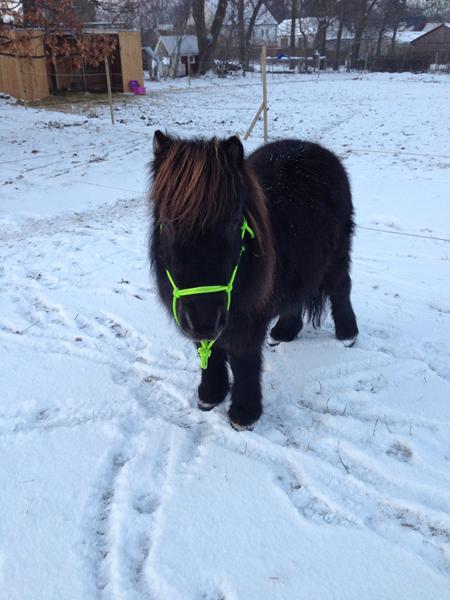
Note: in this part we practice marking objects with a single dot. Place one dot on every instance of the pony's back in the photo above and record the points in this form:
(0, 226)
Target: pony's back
(309, 200)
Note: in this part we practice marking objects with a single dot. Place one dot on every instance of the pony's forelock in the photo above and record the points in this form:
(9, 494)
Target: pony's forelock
(195, 185)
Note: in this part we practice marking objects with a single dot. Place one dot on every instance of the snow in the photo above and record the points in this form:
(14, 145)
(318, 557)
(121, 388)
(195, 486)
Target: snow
(113, 484)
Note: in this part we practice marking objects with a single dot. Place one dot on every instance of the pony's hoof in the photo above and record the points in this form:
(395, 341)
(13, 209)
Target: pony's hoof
(238, 427)
(242, 420)
(206, 406)
(272, 342)
(350, 342)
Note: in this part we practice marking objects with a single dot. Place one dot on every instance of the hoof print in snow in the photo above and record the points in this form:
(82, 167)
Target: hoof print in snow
(146, 504)
(400, 452)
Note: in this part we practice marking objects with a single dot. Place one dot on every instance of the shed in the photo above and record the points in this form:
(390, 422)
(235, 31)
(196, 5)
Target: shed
(31, 75)
(24, 75)
(434, 46)
(178, 54)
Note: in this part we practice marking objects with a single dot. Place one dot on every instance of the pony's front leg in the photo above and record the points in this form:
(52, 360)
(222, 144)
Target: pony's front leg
(246, 398)
(214, 385)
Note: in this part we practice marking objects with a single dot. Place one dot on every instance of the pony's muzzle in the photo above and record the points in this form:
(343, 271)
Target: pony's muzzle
(203, 318)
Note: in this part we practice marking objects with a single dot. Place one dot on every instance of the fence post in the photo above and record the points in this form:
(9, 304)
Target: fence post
(263, 108)
(108, 83)
(264, 85)
(253, 123)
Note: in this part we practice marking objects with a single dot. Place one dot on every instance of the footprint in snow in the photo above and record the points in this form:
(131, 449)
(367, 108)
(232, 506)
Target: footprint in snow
(400, 452)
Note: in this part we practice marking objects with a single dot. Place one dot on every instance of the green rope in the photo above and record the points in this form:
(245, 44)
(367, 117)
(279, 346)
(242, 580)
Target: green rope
(205, 349)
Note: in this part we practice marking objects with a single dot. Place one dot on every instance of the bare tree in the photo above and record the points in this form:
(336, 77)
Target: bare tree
(207, 40)
(246, 27)
(325, 12)
(251, 24)
(397, 10)
(363, 10)
(57, 23)
(241, 31)
(342, 15)
(294, 17)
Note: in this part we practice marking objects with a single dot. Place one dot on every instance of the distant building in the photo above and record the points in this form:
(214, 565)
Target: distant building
(306, 31)
(433, 46)
(265, 28)
(34, 75)
(177, 55)
(415, 50)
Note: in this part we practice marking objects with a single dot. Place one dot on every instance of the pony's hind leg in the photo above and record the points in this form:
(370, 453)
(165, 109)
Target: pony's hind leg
(214, 385)
(338, 286)
(288, 326)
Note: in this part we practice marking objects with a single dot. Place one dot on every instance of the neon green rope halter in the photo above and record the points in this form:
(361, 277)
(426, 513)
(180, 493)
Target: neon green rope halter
(205, 348)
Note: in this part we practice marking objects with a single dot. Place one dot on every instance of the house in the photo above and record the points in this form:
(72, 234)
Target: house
(150, 62)
(265, 28)
(177, 55)
(306, 30)
(415, 50)
(33, 75)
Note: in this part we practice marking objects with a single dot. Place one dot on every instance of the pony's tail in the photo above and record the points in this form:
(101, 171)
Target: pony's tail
(314, 308)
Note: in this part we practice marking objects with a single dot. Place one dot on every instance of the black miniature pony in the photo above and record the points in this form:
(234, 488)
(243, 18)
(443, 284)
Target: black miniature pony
(288, 205)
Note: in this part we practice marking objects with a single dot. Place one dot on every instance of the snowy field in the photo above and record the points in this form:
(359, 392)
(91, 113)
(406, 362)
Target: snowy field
(113, 486)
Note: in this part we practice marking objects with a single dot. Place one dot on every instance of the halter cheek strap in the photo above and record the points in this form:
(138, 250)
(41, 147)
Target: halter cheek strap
(205, 348)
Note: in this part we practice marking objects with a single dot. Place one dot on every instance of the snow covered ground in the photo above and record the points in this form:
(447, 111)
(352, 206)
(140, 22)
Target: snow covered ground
(112, 484)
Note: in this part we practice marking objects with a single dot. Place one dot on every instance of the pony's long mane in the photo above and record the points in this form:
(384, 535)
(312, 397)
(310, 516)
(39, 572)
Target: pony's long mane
(196, 185)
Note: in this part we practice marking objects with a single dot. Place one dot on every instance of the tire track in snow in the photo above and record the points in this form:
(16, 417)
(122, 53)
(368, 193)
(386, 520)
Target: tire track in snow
(97, 541)
(124, 512)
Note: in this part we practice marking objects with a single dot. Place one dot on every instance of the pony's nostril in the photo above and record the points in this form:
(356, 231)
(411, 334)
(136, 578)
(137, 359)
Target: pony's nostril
(202, 324)
(189, 320)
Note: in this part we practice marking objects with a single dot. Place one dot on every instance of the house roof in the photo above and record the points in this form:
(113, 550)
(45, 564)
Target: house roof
(179, 44)
(431, 26)
(149, 51)
(304, 26)
(265, 17)
(408, 37)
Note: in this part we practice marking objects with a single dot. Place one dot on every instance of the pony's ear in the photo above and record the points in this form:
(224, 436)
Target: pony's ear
(160, 142)
(234, 149)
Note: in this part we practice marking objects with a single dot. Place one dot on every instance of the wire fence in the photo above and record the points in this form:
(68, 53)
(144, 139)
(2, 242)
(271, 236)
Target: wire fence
(344, 151)
(404, 233)
(374, 229)
(121, 143)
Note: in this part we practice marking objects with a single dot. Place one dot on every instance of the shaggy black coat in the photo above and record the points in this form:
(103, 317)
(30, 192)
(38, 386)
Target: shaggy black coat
(296, 196)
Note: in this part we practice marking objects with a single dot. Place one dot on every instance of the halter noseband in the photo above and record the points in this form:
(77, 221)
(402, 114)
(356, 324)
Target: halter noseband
(204, 350)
